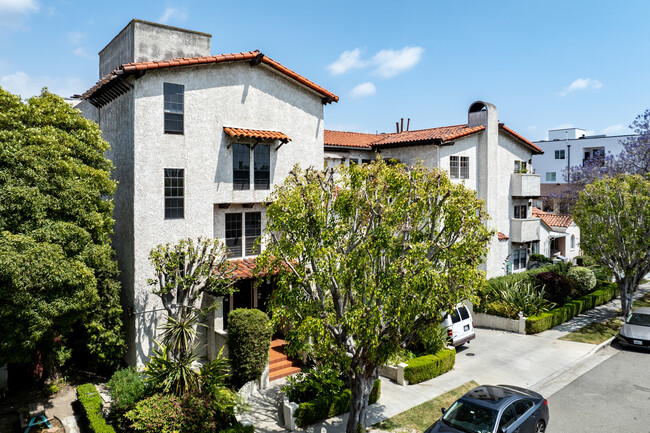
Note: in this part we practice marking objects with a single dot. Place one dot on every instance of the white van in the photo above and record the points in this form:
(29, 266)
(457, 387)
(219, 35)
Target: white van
(459, 325)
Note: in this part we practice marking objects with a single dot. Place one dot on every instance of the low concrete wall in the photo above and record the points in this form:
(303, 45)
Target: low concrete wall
(288, 409)
(489, 321)
(394, 373)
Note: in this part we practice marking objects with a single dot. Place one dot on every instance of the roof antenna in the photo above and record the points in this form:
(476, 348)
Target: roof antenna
(397, 127)
(408, 124)
(402, 128)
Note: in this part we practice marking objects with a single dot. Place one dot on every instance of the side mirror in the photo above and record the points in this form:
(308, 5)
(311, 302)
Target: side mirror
(503, 430)
(443, 410)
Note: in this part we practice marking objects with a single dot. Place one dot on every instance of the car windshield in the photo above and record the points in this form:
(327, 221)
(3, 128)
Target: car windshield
(639, 319)
(470, 418)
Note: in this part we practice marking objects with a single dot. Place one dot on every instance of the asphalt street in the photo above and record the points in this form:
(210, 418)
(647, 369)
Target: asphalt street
(612, 397)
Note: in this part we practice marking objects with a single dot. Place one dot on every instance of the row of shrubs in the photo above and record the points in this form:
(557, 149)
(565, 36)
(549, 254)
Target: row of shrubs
(429, 366)
(604, 293)
(330, 405)
(91, 405)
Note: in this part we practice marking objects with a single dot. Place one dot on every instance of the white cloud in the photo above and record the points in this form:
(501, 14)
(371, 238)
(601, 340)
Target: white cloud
(614, 129)
(26, 86)
(532, 127)
(346, 61)
(394, 62)
(581, 84)
(76, 38)
(363, 89)
(13, 13)
(172, 13)
(83, 53)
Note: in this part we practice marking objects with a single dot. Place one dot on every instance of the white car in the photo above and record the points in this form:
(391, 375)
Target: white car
(459, 325)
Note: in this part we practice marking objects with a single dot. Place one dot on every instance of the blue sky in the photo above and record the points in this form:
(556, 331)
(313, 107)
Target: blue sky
(545, 65)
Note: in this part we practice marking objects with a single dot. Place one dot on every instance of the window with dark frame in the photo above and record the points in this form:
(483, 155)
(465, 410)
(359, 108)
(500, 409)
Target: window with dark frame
(174, 105)
(464, 167)
(253, 232)
(454, 165)
(241, 163)
(521, 167)
(560, 154)
(233, 234)
(174, 193)
(519, 258)
(366, 161)
(520, 211)
(262, 167)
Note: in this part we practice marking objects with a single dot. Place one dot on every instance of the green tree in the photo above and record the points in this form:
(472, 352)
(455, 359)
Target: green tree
(370, 256)
(57, 273)
(614, 219)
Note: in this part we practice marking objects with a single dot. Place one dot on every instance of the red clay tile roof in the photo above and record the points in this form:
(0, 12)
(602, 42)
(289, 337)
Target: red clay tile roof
(350, 139)
(536, 150)
(426, 136)
(502, 237)
(244, 268)
(256, 133)
(130, 68)
(552, 220)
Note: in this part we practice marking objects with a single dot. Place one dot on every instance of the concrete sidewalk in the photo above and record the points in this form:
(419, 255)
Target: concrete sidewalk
(540, 362)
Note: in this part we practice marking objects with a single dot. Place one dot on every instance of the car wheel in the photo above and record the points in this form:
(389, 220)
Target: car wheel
(540, 427)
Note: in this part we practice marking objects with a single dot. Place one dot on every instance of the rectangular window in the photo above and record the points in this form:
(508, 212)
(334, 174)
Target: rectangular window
(174, 101)
(559, 154)
(174, 193)
(262, 166)
(521, 167)
(454, 165)
(241, 163)
(234, 234)
(253, 232)
(366, 161)
(550, 176)
(534, 247)
(354, 161)
(459, 167)
(520, 211)
(519, 259)
(464, 167)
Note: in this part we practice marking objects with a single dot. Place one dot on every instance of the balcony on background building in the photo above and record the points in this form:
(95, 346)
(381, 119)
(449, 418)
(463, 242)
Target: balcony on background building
(524, 230)
(524, 185)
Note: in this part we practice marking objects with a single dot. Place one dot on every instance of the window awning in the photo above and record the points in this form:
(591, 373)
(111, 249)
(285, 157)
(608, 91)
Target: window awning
(257, 134)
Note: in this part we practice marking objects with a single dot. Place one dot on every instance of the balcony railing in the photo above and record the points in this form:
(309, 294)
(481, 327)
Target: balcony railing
(524, 230)
(524, 185)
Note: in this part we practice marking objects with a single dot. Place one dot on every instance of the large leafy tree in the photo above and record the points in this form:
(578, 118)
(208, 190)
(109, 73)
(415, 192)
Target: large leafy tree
(368, 256)
(614, 219)
(57, 273)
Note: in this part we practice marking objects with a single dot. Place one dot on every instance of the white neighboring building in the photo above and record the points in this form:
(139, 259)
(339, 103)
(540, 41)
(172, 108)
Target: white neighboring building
(198, 143)
(559, 235)
(483, 154)
(571, 147)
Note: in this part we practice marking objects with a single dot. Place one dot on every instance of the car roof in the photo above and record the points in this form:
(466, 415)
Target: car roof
(642, 310)
(497, 396)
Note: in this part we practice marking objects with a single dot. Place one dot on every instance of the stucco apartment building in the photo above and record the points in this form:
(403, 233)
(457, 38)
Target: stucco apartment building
(198, 142)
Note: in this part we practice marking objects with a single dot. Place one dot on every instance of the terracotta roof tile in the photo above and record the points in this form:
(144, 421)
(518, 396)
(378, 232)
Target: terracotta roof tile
(256, 133)
(536, 150)
(552, 220)
(244, 268)
(130, 68)
(425, 136)
(350, 139)
(502, 237)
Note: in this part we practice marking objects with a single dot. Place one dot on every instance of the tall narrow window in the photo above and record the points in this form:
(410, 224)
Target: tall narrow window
(453, 167)
(234, 234)
(174, 102)
(262, 166)
(464, 167)
(241, 162)
(253, 232)
(520, 211)
(174, 193)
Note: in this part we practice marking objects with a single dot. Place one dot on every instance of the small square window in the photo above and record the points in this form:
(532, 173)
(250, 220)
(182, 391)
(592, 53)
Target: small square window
(550, 176)
(559, 154)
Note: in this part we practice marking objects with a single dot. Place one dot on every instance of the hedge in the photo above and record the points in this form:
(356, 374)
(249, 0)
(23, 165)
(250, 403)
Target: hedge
(91, 404)
(429, 366)
(604, 293)
(326, 407)
(239, 428)
(249, 339)
(498, 283)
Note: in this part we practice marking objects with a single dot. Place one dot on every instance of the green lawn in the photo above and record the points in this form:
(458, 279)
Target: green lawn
(642, 302)
(595, 333)
(419, 418)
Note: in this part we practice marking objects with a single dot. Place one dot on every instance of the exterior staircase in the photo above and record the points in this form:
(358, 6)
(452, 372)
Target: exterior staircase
(279, 364)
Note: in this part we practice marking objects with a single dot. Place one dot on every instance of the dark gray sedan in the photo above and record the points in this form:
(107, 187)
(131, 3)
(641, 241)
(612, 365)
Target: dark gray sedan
(636, 329)
(495, 409)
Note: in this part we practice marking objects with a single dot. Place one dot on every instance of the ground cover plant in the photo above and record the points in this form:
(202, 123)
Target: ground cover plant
(595, 333)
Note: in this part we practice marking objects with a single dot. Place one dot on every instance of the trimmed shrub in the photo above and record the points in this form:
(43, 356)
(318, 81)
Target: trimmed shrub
(584, 261)
(314, 383)
(604, 292)
(430, 366)
(601, 273)
(540, 258)
(126, 387)
(249, 340)
(583, 279)
(239, 429)
(91, 404)
(558, 288)
(329, 406)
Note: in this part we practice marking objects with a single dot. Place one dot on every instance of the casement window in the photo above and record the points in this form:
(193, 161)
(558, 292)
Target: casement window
(521, 167)
(519, 258)
(459, 167)
(560, 154)
(550, 176)
(241, 163)
(174, 193)
(534, 247)
(521, 211)
(573, 241)
(174, 103)
(242, 232)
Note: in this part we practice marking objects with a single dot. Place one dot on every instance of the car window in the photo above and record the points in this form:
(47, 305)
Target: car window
(468, 417)
(639, 319)
(508, 417)
(455, 318)
(464, 314)
(522, 406)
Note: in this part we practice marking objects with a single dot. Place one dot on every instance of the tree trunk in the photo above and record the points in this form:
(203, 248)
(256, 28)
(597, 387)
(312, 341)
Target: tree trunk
(361, 387)
(627, 287)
